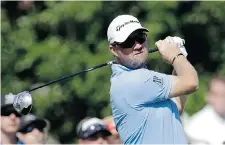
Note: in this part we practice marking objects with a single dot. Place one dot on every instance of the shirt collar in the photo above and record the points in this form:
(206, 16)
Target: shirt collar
(118, 69)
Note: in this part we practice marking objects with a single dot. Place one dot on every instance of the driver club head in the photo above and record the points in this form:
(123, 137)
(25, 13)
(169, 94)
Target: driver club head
(23, 103)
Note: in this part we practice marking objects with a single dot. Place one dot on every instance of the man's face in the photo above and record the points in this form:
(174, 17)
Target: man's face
(10, 122)
(216, 96)
(98, 138)
(32, 135)
(132, 53)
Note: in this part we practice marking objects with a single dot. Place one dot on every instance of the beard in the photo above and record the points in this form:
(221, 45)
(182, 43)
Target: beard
(133, 64)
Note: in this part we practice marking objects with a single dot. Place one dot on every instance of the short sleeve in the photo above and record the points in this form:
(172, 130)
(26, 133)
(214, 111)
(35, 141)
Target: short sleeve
(147, 87)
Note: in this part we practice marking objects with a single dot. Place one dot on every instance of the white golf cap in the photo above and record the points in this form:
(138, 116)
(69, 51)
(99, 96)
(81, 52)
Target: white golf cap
(121, 27)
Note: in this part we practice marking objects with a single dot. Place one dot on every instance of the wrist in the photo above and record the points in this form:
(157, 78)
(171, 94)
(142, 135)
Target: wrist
(175, 57)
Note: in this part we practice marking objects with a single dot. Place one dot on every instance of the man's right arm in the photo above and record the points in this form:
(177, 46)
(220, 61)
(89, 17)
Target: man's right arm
(186, 81)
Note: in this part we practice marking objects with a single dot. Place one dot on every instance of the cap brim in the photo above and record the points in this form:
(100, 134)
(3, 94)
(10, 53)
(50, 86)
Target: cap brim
(6, 105)
(40, 123)
(8, 108)
(127, 34)
(106, 132)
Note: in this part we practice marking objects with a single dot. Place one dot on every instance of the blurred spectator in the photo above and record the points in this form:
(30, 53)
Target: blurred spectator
(50, 138)
(31, 130)
(111, 126)
(10, 120)
(25, 4)
(208, 125)
(92, 131)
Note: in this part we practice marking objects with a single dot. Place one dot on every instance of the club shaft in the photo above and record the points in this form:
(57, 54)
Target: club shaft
(72, 75)
(151, 50)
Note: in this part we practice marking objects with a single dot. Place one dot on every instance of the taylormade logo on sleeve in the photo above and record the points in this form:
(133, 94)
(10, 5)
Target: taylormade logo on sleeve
(128, 22)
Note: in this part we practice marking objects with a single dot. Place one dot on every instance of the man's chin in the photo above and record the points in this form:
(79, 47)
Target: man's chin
(136, 65)
(11, 130)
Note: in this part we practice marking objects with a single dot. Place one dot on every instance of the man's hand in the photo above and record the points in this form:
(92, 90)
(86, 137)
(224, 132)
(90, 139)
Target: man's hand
(167, 50)
(179, 43)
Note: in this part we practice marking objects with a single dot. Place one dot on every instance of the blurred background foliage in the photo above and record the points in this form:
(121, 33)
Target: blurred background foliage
(44, 40)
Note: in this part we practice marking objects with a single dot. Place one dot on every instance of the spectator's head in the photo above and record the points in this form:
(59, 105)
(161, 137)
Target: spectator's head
(216, 94)
(25, 4)
(111, 126)
(10, 119)
(92, 131)
(31, 129)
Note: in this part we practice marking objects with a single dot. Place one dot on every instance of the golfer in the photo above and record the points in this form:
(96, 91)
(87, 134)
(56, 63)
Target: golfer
(145, 103)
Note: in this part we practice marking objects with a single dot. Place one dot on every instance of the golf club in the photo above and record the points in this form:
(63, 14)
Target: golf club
(23, 101)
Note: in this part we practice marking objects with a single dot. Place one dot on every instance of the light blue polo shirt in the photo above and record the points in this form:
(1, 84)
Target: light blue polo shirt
(141, 109)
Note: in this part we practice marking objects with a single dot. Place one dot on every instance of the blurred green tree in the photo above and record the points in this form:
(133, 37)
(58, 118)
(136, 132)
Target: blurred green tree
(44, 40)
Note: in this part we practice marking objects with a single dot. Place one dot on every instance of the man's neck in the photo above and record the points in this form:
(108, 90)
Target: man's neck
(8, 138)
(120, 63)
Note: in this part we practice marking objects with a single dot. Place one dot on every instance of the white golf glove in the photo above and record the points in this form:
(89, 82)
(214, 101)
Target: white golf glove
(179, 42)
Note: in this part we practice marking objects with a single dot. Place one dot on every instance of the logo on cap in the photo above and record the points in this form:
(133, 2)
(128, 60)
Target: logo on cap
(125, 23)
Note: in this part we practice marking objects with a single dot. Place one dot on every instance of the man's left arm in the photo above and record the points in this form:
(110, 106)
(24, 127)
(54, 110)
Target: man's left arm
(181, 100)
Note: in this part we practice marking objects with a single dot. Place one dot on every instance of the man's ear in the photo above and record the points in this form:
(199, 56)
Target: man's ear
(113, 50)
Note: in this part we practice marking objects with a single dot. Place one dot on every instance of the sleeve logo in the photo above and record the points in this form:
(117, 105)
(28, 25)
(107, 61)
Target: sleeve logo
(158, 81)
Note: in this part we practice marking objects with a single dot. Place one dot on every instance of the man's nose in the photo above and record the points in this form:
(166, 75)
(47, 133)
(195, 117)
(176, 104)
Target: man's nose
(138, 46)
(12, 116)
(35, 130)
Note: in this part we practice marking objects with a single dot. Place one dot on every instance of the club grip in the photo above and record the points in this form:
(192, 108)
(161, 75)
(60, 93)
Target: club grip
(150, 50)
